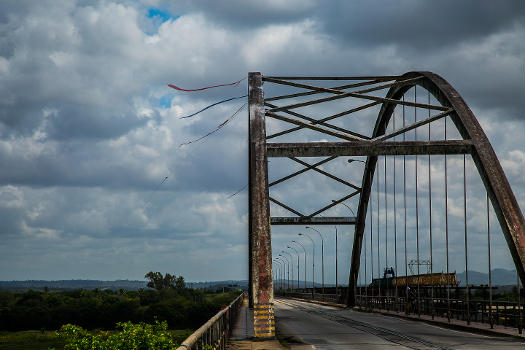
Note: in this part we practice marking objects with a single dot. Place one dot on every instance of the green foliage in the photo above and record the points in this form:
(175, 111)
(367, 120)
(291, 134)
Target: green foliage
(139, 336)
(181, 308)
(34, 340)
(221, 299)
(159, 282)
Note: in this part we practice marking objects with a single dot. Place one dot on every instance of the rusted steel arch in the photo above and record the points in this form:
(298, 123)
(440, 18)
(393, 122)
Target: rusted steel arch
(500, 193)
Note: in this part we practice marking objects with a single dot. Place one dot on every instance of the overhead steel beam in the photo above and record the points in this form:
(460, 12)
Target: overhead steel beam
(292, 220)
(367, 148)
(369, 77)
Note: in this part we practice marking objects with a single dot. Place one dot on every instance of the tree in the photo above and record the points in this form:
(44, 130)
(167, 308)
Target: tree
(179, 283)
(158, 282)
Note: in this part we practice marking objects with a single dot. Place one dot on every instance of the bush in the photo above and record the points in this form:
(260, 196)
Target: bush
(133, 336)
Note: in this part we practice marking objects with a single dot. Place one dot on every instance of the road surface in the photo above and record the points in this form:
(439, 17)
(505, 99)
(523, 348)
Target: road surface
(311, 326)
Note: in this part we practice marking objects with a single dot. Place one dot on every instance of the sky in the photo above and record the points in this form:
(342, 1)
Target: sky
(89, 129)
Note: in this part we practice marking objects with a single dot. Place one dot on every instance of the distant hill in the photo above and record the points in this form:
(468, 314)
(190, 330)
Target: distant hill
(72, 284)
(500, 277)
(217, 285)
(113, 285)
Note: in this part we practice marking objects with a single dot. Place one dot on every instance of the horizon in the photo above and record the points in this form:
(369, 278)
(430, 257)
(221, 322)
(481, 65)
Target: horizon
(229, 280)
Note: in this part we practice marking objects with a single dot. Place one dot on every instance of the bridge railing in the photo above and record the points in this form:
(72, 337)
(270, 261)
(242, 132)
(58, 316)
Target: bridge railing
(215, 333)
(502, 313)
(498, 312)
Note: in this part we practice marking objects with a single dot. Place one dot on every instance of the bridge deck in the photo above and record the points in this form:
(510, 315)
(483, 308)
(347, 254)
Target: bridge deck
(327, 327)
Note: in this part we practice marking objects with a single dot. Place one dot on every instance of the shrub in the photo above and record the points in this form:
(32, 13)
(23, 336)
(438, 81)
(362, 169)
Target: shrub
(132, 336)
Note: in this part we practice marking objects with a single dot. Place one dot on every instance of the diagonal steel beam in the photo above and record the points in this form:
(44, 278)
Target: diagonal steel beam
(334, 203)
(326, 174)
(333, 116)
(341, 94)
(313, 127)
(315, 122)
(413, 126)
(384, 86)
(308, 93)
(309, 167)
(375, 88)
(286, 207)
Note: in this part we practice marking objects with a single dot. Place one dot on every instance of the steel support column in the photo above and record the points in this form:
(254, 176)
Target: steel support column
(260, 274)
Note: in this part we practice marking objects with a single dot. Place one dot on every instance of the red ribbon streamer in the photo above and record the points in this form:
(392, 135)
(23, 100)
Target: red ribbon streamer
(204, 88)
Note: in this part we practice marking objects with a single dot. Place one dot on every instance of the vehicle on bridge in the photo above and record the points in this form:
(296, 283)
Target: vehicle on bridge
(390, 281)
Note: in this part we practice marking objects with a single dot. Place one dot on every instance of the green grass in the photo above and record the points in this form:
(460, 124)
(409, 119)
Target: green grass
(30, 340)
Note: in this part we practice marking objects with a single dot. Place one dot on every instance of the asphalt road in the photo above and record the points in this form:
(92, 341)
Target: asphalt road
(311, 326)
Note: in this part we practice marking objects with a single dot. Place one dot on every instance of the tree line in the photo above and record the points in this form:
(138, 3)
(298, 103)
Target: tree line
(169, 300)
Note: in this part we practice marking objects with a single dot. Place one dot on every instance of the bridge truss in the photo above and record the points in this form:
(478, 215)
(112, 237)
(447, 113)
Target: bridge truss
(441, 103)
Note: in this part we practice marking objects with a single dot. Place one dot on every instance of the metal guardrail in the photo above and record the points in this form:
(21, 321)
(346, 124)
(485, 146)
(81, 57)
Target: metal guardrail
(503, 313)
(214, 333)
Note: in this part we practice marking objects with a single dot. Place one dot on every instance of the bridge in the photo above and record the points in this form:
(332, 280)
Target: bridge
(432, 201)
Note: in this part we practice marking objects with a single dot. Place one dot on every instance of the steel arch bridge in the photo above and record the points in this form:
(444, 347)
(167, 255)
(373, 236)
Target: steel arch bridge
(384, 140)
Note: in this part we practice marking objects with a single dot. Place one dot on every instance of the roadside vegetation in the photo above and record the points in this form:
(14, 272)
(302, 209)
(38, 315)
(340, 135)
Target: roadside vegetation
(81, 315)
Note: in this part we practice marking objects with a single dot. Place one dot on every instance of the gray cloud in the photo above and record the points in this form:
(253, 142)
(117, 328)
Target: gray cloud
(419, 25)
(87, 133)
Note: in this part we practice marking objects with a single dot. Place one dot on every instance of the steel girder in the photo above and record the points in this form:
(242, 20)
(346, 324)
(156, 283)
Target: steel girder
(498, 188)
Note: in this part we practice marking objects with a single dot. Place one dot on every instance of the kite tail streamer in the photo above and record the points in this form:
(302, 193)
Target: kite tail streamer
(216, 129)
(214, 104)
(204, 88)
(237, 192)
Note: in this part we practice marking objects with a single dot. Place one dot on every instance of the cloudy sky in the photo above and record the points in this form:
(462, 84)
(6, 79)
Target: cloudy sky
(89, 128)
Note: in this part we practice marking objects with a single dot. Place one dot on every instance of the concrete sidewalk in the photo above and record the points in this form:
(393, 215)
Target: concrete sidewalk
(242, 334)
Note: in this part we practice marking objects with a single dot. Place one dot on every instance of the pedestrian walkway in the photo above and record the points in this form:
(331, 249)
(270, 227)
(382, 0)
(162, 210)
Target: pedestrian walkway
(242, 334)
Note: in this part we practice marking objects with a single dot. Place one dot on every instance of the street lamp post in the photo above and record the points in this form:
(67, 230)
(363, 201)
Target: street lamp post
(313, 261)
(291, 262)
(353, 213)
(336, 277)
(285, 258)
(302, 246)
(279, 273)
(322, 257)
(283, 273)
(276, 271)
(296, 252)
